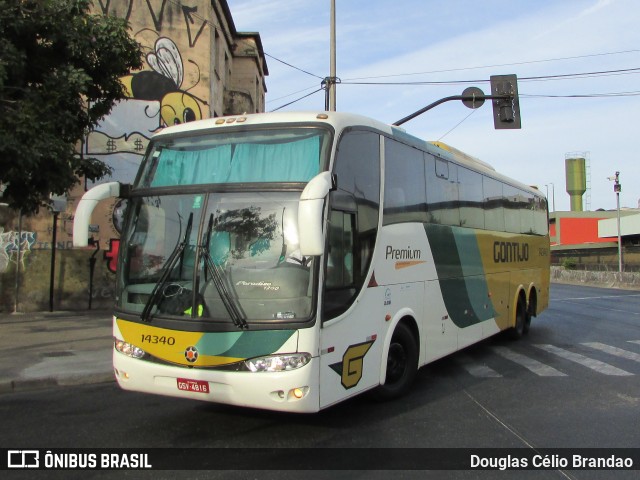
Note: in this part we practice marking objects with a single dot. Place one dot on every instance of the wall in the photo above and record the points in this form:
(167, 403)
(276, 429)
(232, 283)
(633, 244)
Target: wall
(576, 231)
(626, 280)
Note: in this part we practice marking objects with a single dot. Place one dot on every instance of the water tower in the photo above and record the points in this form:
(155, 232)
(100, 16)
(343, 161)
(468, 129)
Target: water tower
(576, 174)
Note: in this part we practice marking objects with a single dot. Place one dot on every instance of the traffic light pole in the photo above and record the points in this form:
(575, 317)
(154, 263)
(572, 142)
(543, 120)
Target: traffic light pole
(465, 98)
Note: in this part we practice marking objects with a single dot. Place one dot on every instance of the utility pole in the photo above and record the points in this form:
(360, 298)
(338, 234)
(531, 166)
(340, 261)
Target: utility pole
(332, 74)
(553, 193)
(617, 188)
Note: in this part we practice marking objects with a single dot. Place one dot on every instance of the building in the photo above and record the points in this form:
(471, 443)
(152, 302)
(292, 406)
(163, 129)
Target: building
(196, 65)
(589, 240)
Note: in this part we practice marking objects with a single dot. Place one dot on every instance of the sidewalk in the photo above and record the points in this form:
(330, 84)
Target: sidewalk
(45, 349)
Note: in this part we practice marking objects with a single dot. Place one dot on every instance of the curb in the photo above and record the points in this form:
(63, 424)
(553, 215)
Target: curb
(27, 385)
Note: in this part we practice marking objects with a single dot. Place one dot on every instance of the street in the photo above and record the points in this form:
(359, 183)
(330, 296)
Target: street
(571, 383)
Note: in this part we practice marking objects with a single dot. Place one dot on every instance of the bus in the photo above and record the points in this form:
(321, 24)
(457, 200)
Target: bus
(289, 261)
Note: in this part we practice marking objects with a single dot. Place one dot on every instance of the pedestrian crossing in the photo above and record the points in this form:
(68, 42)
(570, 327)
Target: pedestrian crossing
(545, 360)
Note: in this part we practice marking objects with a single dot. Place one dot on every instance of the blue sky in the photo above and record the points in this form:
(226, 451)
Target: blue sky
(466, 40)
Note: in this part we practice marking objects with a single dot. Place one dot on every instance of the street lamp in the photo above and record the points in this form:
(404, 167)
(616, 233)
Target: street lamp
(553, 192)
(617, 188)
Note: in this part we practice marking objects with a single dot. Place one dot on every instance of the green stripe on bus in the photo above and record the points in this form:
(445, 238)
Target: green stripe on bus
(243, 344)
(464, 289)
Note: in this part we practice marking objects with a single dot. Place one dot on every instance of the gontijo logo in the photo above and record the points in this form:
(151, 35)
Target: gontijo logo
(508, 252)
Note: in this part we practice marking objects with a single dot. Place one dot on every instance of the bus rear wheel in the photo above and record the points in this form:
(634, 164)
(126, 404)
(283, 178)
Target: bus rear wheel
(402, 364)
(519, 329)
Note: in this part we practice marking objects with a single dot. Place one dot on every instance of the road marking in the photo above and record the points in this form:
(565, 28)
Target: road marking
(635, 341)
(535, 366)
(618, 352)
(597, 365)
(595, 298)
(474, 368)
(608, 309)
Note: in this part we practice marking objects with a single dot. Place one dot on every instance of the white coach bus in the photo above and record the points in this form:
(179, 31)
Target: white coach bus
(289, 261)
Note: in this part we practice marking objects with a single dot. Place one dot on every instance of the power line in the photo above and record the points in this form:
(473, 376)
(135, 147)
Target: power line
(529, 62)
(290, 103)
(603, 73)
(293, 66)
(458, 124)
(291, 94)
(586, 95)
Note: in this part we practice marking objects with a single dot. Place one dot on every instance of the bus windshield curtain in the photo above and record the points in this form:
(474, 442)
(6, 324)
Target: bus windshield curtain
(250, 162)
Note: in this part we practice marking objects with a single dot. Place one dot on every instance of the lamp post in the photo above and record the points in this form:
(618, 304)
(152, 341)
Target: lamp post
(617, 188)
(553, 192)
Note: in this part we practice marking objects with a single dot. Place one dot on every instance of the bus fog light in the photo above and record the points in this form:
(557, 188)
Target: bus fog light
(298, 393)
(128, 349)
(278, 363)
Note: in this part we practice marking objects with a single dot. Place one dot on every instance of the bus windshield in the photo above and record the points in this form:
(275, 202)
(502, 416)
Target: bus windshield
(270, 155)
(217, 257)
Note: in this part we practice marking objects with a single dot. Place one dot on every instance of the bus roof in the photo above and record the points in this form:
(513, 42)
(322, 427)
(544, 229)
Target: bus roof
(339, 121)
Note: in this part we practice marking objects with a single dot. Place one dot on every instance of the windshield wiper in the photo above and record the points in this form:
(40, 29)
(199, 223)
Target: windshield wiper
(171, 262)
(233, 308)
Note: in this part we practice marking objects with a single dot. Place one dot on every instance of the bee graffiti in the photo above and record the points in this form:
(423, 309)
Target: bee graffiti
(163, 83)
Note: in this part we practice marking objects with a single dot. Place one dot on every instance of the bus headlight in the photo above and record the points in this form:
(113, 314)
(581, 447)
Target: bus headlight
(278, 363)
(128, 349)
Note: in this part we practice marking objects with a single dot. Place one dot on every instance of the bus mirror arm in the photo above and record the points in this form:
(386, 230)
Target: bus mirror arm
(85, 208)
(310, 213)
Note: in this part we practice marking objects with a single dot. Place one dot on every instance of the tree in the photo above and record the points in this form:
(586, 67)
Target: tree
(59, 75)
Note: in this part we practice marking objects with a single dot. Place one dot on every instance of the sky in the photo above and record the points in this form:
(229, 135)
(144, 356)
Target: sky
(577, 63)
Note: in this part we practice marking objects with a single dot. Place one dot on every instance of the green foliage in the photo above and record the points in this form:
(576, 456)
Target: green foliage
(569, 263)
(59, 75)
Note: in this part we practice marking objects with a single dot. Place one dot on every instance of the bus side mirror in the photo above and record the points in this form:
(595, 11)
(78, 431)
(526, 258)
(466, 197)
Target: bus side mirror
(310, 215)
(85, 208)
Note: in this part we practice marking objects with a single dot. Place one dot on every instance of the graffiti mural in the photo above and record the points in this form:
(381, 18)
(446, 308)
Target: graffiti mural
(162, 84)
(9, 242)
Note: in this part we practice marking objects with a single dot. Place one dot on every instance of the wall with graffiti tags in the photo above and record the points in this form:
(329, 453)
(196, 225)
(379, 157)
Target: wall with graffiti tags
(188, 48)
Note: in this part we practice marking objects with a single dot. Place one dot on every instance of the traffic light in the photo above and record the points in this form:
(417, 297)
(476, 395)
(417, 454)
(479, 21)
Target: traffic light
(506, 111)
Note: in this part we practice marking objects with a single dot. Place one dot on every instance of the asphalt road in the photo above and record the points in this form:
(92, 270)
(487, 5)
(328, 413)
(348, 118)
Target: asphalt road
(572, 382)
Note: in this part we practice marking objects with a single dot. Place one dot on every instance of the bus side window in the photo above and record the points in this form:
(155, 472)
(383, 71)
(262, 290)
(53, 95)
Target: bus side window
(340, 253)
(442, 191)
(353, 220)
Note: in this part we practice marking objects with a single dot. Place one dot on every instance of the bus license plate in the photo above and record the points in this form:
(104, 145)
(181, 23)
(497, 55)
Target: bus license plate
(188, 385)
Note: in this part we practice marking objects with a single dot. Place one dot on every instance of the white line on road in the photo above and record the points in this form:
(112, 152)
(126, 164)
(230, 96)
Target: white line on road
(597, 365)
(608, 309)
(596, 298)
(474, 368)
(635, 341)
(535, 366)
(618, 352)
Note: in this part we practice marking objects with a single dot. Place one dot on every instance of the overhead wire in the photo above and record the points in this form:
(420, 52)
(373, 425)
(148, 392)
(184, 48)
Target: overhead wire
(293, 66)
(528, 62)
(604, 73)
(297, 100)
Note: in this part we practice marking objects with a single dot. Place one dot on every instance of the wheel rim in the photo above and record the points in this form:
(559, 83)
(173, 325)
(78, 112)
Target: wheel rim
(396, 362)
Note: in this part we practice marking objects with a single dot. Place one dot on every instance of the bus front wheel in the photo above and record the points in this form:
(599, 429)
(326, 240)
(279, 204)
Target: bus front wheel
(402, 364)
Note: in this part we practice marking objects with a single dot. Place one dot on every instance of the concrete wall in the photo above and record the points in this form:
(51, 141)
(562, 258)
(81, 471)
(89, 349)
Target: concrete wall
(625, 280)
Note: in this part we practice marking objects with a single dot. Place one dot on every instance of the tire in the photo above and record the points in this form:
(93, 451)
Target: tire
(527, 322)
(402, 364)
(518, 330)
